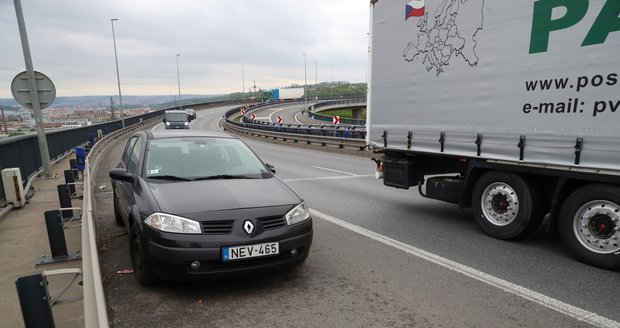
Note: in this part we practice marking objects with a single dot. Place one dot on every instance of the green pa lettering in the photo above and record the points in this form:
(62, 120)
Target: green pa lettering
(607, 21)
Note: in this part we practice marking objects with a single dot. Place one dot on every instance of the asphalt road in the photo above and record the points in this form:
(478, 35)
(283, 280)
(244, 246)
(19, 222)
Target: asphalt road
(369, 265)
(271, 114)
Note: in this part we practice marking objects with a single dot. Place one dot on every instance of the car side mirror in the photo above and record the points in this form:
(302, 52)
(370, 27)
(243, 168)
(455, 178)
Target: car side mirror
(122, 175)
(271, 168)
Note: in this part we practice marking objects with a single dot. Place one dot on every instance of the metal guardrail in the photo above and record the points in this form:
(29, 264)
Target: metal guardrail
(341, 136)
(95, 310)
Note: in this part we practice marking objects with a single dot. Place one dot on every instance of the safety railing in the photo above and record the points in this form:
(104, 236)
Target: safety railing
(342, 136)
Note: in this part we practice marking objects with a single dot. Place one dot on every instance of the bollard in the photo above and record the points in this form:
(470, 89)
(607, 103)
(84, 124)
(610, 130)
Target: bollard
(73, 167)
(56, 237)
(64, 198)
(34, 301)
(69, 180)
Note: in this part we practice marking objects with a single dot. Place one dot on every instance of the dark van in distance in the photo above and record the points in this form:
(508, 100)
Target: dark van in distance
(176, 119)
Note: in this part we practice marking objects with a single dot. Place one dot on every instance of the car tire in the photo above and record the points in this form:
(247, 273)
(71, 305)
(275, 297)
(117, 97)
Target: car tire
(140, 262)
(588, 225)
(506, 205)
(117, 213)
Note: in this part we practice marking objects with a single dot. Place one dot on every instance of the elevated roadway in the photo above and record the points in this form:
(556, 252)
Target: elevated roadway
(381, 257)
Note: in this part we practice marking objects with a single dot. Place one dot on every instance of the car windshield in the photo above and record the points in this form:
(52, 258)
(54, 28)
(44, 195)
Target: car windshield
(202, 158)
(176, 117)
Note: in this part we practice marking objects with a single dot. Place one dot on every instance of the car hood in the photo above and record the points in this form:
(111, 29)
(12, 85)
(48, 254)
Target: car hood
(216, 195)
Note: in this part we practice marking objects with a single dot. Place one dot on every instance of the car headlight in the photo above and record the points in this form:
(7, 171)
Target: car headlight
(172, 223)
(168, 123)
(298, 214)
(186, 123)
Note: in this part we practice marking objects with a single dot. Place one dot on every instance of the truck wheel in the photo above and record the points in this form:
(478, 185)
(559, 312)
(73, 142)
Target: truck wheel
(507, 206)
(590, 225)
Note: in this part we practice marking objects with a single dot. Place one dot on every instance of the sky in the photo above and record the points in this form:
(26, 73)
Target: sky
(219, 42)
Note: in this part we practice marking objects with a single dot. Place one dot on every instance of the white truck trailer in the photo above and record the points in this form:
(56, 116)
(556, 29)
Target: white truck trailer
(511, 108)
(288, 93)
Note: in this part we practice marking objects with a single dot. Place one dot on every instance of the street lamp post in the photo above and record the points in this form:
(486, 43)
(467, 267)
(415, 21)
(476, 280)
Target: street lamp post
(316, 81)
(331, 82)
(305, 74)
(118, 77)
(243, 82)
(179, 82)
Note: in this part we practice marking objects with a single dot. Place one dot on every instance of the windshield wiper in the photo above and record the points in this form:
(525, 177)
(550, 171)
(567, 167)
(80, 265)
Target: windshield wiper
(225, 176)
(169, 177)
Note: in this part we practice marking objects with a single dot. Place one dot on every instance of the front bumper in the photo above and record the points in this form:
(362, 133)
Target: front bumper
(171, 255)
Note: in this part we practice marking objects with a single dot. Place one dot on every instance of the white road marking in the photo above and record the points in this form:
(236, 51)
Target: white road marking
(549, 302)
(271, 115)
(332, 170)
(297, 119)
(156, 126)
(329, 178)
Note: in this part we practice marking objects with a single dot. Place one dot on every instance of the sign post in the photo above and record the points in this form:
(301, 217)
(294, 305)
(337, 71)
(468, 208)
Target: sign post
(33, 91)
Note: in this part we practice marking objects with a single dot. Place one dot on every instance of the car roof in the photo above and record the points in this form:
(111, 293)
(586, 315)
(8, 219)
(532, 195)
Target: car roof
(172, 111)
(160, 134)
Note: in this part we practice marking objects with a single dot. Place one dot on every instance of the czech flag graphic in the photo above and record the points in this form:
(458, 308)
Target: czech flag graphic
(414, 8)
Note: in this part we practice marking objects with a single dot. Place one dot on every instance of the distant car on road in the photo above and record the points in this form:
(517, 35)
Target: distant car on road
(191, 113)
(202, 203)
(176, 119)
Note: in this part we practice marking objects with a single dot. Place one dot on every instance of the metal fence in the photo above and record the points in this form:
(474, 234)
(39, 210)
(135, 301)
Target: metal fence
(23, 151)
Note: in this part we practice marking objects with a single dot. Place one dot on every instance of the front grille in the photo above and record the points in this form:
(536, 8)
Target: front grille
(272, 222)
(217, 227)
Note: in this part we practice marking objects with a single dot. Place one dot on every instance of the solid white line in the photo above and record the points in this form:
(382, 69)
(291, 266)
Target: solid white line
(329, 178)
(156, 126)
(551, 303)
(332, 170)
(297, 119)
(271, 115)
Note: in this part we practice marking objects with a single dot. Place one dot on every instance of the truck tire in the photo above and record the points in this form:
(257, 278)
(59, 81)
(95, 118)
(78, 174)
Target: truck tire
(506, 205)
(589, 225)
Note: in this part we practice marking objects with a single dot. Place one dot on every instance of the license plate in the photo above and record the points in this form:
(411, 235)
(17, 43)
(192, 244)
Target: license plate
(250, 251)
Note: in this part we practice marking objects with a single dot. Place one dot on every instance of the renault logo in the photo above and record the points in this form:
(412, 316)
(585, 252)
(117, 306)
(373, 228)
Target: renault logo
(248, 226)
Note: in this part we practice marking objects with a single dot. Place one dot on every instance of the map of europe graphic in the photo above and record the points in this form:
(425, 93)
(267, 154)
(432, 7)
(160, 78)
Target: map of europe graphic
(447, 35)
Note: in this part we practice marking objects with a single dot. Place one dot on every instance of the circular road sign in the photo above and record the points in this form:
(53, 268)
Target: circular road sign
(21, 89)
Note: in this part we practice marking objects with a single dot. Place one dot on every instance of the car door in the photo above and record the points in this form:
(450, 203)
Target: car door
(131, 164)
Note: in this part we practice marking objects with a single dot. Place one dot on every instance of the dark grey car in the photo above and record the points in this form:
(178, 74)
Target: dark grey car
(202, 203)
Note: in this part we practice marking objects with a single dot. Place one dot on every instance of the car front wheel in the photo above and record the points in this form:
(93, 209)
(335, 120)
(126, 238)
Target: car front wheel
(140, 262)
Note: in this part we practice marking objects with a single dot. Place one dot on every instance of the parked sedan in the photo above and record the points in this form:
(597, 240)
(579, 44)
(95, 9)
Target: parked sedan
(202, 203)
(191, 113)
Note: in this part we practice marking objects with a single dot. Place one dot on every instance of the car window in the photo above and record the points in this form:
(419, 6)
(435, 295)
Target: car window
(202, 157)
(134, 157)
(176, 117)
(128, 149)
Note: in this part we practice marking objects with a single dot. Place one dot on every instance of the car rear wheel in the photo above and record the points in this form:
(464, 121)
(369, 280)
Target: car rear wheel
(140, 262)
